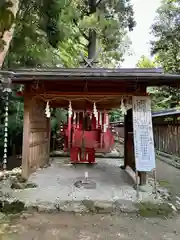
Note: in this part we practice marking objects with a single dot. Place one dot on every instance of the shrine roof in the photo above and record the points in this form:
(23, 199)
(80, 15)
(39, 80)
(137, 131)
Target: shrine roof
(147, 76)
(160, 114)
(166, 113)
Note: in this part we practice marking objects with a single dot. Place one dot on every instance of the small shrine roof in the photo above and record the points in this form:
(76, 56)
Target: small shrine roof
(148, 77)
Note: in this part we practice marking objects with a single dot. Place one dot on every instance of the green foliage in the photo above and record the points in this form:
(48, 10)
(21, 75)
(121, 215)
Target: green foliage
(42, 25)
(51, 11)
(51, 33)
(162, 97)
(29, 47)
(116, 115)
(166, 31)
(111, 21)
(145, 62)
(57, 116)
(6, 19)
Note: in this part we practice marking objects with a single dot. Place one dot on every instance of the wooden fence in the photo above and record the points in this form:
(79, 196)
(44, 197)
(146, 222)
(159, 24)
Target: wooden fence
(167, 138)
(166, 134)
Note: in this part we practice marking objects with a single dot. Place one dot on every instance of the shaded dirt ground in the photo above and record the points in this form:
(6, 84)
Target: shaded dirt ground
(168, 175)
(65, 226)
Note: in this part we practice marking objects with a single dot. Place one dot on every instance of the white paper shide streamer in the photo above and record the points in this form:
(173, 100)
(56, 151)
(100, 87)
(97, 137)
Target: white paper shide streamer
(47, 110)
(95, 112)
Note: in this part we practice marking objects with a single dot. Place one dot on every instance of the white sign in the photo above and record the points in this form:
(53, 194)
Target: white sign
(143, 134)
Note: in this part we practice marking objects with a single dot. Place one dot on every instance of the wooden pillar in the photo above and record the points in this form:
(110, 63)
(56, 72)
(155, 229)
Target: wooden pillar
(69, 125)
(125, 141)
(143, 178)
(129, 159)
(49, 137)
(26, 138)
(77, 115)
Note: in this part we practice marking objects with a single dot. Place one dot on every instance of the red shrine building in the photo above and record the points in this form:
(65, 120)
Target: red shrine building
(88, 94)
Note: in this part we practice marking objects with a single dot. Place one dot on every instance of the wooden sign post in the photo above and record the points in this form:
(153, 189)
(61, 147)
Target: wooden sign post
(143, 136)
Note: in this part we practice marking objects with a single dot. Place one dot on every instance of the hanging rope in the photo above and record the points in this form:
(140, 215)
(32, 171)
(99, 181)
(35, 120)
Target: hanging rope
(45, 97)
(6, 130)
(6, 90)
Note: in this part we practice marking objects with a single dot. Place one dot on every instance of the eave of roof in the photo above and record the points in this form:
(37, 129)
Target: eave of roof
(147, 76)
(165, 113)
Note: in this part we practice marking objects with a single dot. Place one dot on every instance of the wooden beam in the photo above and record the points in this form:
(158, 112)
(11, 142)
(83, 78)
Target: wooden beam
(48, 137)
(143, 178)
(86, 88)
(26, 138)
(56, 93)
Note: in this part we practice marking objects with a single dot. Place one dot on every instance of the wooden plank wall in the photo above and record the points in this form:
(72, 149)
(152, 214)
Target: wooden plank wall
(119, 130)
(36, 137)
(167, 138)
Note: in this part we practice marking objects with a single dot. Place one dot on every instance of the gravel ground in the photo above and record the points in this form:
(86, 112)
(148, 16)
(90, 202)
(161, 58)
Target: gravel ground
(66, 226)
(57, 185)
(168, 175)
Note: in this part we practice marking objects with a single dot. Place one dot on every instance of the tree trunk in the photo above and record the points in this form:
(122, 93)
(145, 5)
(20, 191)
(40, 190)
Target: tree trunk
(92, 33)
(92, 44)
(7, 36)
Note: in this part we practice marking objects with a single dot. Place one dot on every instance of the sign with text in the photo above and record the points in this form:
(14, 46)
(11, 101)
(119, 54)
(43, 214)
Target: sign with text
(143, 134)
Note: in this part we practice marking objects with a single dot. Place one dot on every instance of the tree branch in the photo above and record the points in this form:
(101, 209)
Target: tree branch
(84, 35)
(84, 45)
(98, 2)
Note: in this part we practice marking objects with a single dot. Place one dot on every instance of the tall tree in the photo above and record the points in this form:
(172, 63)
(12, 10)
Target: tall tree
(106, 24)
(8, 11)
(166, 30)
(71, 27)
(55, 32)
(29, 46)
(94, 24)
(161, 99)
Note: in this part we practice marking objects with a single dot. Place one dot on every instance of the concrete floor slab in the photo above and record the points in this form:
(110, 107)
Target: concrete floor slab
(56, 184)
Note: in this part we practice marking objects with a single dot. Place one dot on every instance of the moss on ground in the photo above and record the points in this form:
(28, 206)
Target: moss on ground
(149, 209)
(89, 204)
(19, 185)
(11, 207)
(164, 184)
(31, 185)
(20, 178)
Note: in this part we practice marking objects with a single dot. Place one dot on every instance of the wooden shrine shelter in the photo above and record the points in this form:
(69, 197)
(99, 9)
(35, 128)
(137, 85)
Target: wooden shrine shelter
(82, 87)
